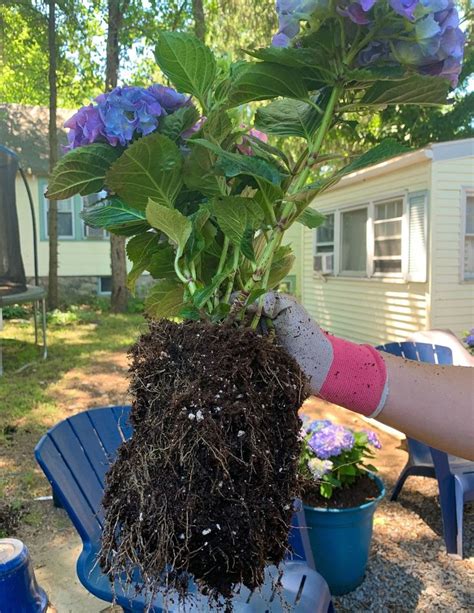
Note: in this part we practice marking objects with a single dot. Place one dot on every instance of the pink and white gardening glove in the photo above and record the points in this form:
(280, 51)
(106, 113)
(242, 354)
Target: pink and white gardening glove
(344, 373)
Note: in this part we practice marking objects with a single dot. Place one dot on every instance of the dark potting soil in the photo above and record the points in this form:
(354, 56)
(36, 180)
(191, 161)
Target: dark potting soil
(363, 490)
(205, 485)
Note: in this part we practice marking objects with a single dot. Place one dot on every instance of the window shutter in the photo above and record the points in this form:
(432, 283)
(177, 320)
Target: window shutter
(417, 237)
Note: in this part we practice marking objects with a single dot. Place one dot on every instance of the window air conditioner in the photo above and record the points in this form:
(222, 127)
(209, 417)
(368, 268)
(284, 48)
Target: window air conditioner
(324, 263)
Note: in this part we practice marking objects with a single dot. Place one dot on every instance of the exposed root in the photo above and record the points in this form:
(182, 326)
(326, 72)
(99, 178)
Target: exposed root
(205, 485)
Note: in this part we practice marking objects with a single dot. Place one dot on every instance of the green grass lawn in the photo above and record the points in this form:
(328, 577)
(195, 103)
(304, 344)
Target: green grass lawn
(75, 340)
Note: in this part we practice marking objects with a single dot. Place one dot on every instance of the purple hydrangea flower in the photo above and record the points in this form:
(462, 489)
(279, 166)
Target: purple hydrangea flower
(330, 441)
(85, 126)
(317, 424)
(373, 439)
(469, 338)
(290, 14)
(118, 116)
(357, 11)
(169, 98)
(318, 468)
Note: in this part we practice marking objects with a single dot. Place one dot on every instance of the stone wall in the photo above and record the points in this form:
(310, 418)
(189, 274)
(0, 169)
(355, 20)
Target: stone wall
(73, 290)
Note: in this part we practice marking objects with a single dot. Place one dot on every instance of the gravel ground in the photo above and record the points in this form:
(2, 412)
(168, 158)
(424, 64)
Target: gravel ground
(408, 569)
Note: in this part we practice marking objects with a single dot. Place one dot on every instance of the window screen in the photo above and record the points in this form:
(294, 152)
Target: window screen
(388, 236)
(354, 241)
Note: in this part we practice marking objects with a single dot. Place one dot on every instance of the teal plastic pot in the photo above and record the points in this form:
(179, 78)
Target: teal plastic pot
(340, 541)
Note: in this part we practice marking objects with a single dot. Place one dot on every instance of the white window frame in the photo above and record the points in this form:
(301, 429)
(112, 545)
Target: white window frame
(369, 204)
(354, 274)
(404, 237)
(100, 292)
(317, 243)
(105, 233)
(465, 192)
(45, 212)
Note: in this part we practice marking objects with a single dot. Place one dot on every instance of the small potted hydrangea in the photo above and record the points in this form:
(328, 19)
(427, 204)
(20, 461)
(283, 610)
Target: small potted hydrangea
(340, 495)
(468, 340)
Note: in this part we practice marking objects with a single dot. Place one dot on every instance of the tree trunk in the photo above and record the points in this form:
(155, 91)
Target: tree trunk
(118, 257)
(199, 20)
(53, 298)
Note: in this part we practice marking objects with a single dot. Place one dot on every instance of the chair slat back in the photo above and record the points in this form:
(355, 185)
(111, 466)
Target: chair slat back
(75, 456)
(420, 352)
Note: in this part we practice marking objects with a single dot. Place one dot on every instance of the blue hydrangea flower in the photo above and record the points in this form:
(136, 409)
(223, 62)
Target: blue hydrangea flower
(290, 14)
(120, 115)
(317, 424)
(469, 338)
(373, 439)
(85, 127)
(331, 440)
(318, 468)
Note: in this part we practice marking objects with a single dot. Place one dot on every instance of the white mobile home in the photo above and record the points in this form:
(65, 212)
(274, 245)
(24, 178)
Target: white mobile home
(396, 252)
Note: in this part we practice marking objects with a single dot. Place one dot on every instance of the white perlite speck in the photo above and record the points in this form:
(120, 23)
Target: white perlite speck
(240, 433)
(206, 531)
(199, 415)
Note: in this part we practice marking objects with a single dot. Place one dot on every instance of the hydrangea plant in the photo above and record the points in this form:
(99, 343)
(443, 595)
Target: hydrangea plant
(468, 340)
(204, 201)
(335, 456)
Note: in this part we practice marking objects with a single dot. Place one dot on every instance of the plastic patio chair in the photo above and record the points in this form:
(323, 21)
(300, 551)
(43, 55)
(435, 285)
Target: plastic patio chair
(455, 475)
(75, 456)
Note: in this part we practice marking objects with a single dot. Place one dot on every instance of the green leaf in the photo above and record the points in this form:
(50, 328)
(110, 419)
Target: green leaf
(150, 168)
(170, 221)
(197, 240)
(165, 299)
(189, 312)
(199, 173)
(414, 90)
(175, 124)
(187, 62)
(232, 217)
(267, 151)
(376, 73)
(283, 262)
(288, 118)
(349, 470)
(300, 59)
(140, 250)
(234, 164)
(246, 244)
(217, 127)
(371, 467)
(220, 312)
(81, 171)
(255, 295)
(265, 80)
(388, 148)
(201, 296)
(311, 218)
(116, 217)
(161, 265)
(326, 490)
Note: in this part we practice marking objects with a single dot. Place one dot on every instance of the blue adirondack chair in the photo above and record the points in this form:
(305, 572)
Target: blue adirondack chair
(455, 475)
(75, 456)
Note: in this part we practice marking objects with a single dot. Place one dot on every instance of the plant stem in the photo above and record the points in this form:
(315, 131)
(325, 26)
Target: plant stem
(265, 261)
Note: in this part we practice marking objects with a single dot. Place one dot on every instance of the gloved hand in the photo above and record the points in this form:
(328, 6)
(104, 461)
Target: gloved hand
(353, 376)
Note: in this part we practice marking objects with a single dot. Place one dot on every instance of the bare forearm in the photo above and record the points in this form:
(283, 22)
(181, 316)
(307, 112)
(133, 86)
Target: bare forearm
(430, 403)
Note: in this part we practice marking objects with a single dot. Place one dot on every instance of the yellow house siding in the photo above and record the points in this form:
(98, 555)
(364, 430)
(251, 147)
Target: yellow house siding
(360, 309)
(76, 257)
(452, 298)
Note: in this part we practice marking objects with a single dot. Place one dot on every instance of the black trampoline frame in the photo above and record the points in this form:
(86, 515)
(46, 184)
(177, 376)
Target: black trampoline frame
(34, 293)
